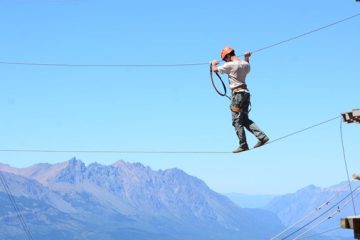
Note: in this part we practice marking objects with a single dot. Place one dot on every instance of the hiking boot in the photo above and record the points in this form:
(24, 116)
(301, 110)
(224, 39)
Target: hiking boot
(261, 142)
(240, 149)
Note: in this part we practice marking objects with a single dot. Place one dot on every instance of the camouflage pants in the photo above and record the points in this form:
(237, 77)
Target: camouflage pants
(241, 120)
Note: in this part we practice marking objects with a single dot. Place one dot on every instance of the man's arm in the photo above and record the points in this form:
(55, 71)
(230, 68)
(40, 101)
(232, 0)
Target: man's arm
(247, 56)
(214, 65)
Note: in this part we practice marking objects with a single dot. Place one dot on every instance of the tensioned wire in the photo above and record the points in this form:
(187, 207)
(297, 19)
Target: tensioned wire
(331, 216)
(310, 214)
(16, 207)
(346, 166)
(321, 233)
(177, 64)
(326, 211)
(157, 152)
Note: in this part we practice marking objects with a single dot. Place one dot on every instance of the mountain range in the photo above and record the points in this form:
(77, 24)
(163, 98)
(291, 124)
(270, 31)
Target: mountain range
(317, 208)
(312, 209)
(70, 200)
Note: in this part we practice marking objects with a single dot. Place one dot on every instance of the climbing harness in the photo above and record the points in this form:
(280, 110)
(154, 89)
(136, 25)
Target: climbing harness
(223, 94)
(243, 105)
(236, 108)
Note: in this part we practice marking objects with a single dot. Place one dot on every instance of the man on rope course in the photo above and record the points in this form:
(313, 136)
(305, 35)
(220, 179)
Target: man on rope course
(237, 69)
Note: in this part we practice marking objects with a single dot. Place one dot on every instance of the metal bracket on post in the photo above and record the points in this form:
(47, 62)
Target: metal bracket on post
(352, 117)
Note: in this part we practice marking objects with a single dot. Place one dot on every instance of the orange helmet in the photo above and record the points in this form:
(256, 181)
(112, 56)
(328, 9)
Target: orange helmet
(226, 50)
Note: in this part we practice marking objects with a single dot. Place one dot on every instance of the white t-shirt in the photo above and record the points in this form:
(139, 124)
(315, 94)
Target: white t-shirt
(237, 71)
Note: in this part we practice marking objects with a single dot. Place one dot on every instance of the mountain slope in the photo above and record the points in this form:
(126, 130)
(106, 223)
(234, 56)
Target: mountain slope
(130, 200)
(323, 204)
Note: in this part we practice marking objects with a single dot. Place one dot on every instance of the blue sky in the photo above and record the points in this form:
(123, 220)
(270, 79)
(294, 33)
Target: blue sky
(294, 85)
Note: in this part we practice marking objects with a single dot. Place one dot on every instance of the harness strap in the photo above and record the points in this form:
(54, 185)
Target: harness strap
(240, 107)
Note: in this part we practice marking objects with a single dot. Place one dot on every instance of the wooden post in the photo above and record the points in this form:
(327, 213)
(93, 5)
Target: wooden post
(351, 223)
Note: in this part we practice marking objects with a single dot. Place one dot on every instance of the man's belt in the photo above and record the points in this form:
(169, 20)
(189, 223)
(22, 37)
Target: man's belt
(239, 88)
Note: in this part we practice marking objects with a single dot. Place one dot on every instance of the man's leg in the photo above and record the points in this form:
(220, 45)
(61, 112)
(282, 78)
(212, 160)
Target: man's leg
(238, 123)
(252, 127)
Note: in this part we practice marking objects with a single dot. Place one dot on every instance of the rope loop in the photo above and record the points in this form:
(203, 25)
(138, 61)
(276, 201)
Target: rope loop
(223, 94)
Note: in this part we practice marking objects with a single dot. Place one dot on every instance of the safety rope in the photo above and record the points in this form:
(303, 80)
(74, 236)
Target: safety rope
(155, 152)
(223, 94)
(102, 65)
(304, 129)
(306, 33)
(171, 65)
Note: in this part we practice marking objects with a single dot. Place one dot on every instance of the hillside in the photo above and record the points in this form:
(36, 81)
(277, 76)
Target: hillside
(123, 200)
(322, 207)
